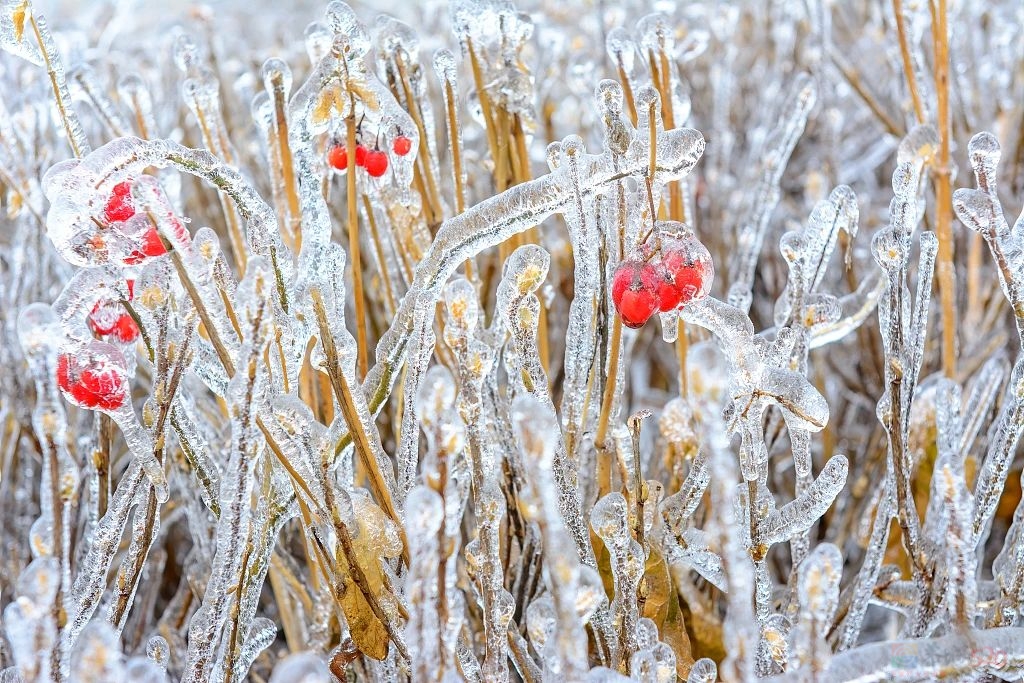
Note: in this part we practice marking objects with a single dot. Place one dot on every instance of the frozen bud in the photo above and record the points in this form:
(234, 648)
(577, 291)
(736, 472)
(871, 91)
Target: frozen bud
(342, 20)
(445, 67)
(39, 330)
(97, 657)
(533, 428)
(185, 52)
(984, 153)
(646, 634)
(540, 621)
(621, 48)
(774, 645)
(918, 146)
(424, 512)
(703, 670)
(656, 33)
(277, 76)
(975, 209)
(648, 98)
(707, 372)
(159, 651)
(590, 592)
(609, 518)
(527, 267)
(818, 583)
(436, 394)
(318, 41)
(142, 670)
(554, 155)
(889, 250)
(395, 38)
(904, 180)
(462, 303)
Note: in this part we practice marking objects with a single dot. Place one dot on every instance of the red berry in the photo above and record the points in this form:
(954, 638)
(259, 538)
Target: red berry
(151, 246)
(92, 378)
(635, 292)
(376, 163)
(120, 206)
(102, 320)
(685, 272)
(337, 156)
(361, 153)
(126, 331)
(109, 319)
(402, 145)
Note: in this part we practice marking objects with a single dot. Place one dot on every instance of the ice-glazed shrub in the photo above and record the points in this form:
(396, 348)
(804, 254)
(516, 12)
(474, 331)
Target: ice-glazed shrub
(330, 353)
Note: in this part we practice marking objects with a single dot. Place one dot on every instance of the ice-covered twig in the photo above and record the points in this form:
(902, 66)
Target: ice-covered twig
(998, 651)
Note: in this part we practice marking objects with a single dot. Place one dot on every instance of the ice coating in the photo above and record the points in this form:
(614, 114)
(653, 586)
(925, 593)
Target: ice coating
(609, 520)
(777, 149)
(563, 655)
(302, 667)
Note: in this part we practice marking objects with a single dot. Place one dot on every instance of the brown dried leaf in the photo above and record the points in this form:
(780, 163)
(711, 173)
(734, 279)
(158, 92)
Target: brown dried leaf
(18, 16)
(325, 104)
(662, 607)
(369, 634)
(370, 545)
(14, 204)
(365, 95)
(658, 588)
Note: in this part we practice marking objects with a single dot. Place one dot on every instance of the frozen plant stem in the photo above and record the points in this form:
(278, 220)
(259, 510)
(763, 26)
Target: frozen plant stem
(355, 253)
(943, 191)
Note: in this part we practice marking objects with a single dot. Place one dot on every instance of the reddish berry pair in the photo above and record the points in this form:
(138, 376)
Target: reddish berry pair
(108, 319)
(681, 273)
(93, 377)
(120, 207)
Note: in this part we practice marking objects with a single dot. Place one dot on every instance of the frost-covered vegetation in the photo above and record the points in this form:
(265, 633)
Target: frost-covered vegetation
(560, 342)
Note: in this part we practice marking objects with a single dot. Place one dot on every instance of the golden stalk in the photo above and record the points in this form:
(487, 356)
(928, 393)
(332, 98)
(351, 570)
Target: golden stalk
(378, 249)
(287, 166)
(945, 273)
(908, 65)
(361, 440)
(353, 243)
(455, 144)
(62, 108)
(432, 198)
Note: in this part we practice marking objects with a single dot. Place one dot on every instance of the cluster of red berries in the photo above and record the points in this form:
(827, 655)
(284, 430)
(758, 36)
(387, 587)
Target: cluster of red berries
(373, 160)
(93, 376)
(120, 208)
(109, 320)
(678, 271)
